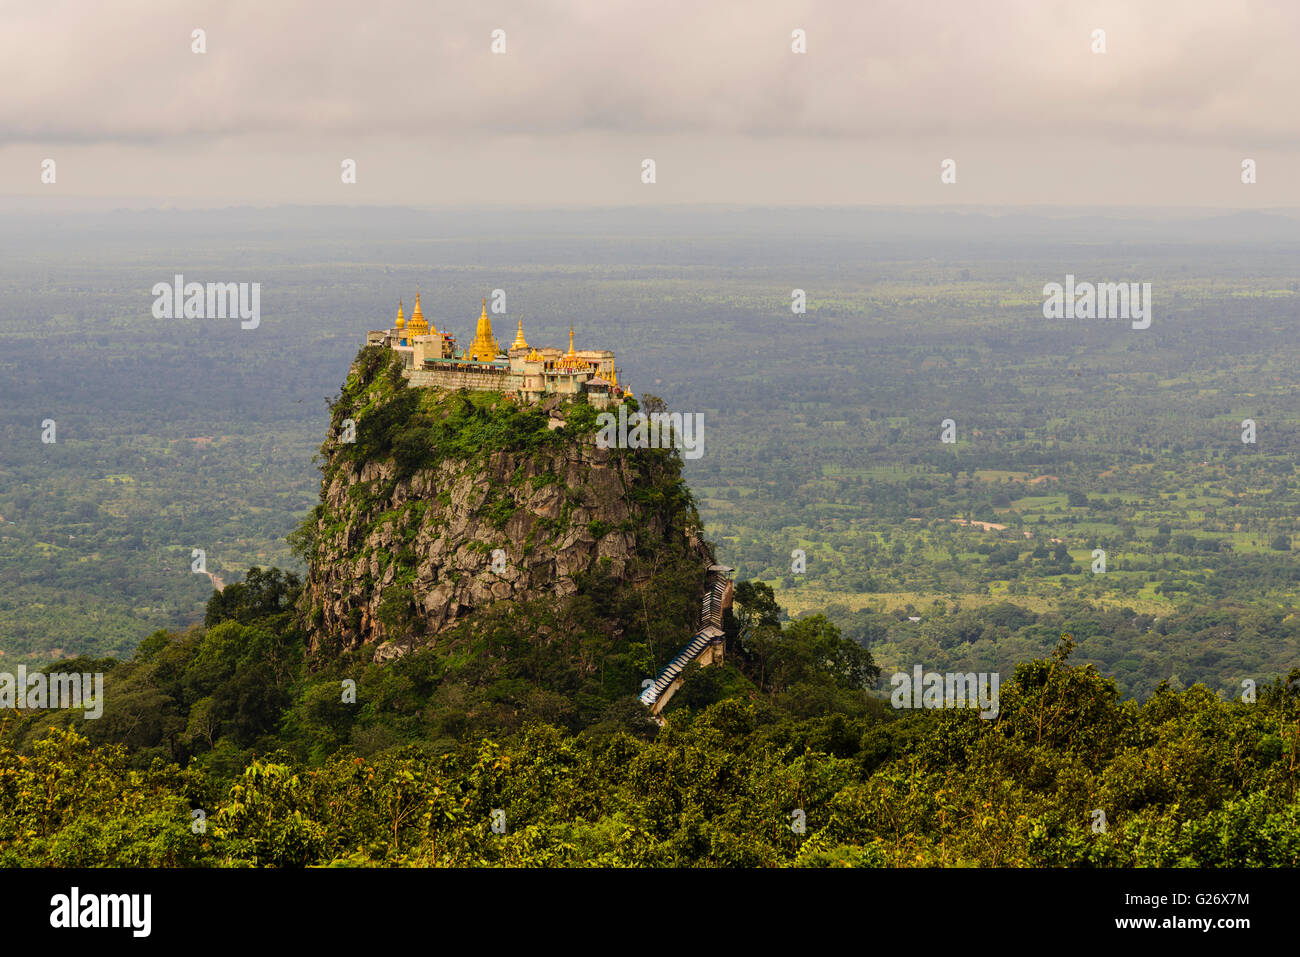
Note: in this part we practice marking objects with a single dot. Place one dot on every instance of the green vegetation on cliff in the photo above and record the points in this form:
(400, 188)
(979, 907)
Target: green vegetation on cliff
(452, 503)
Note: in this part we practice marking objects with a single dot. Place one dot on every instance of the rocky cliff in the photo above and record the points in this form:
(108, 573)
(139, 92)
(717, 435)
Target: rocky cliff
(451, 502)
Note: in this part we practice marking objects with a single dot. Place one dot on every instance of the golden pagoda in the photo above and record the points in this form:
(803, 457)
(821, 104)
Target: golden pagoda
(570, 360)
(417, 326)
(520, 342)
(484, 346)
(524, 371)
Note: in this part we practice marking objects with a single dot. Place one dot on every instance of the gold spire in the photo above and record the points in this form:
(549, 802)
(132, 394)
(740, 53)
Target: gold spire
(570, 361)
(417, 326)
(520, 342)
(401, 319)
(484, 347)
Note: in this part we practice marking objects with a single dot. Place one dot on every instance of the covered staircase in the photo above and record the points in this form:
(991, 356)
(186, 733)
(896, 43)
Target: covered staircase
(706, 647)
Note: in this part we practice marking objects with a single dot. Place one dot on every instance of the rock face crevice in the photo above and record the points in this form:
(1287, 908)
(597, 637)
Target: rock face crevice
(396, 559)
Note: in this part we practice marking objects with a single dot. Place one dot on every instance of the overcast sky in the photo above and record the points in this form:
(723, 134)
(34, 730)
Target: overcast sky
(587, 89)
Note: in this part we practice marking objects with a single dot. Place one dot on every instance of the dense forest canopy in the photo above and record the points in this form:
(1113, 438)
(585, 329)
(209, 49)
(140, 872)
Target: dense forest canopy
(1149, 708)
(220, 748)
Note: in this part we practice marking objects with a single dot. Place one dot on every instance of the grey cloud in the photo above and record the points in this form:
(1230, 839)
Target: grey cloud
(1177, 70)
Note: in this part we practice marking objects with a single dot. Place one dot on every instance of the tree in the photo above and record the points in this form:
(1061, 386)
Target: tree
(261, 595)
(754, 606)
(813, 650)
(203, 724)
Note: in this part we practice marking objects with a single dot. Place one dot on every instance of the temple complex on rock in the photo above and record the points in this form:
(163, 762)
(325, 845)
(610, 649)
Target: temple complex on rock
(431, 358)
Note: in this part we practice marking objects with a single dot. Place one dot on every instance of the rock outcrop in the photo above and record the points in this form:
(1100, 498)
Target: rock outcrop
(406, 545)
